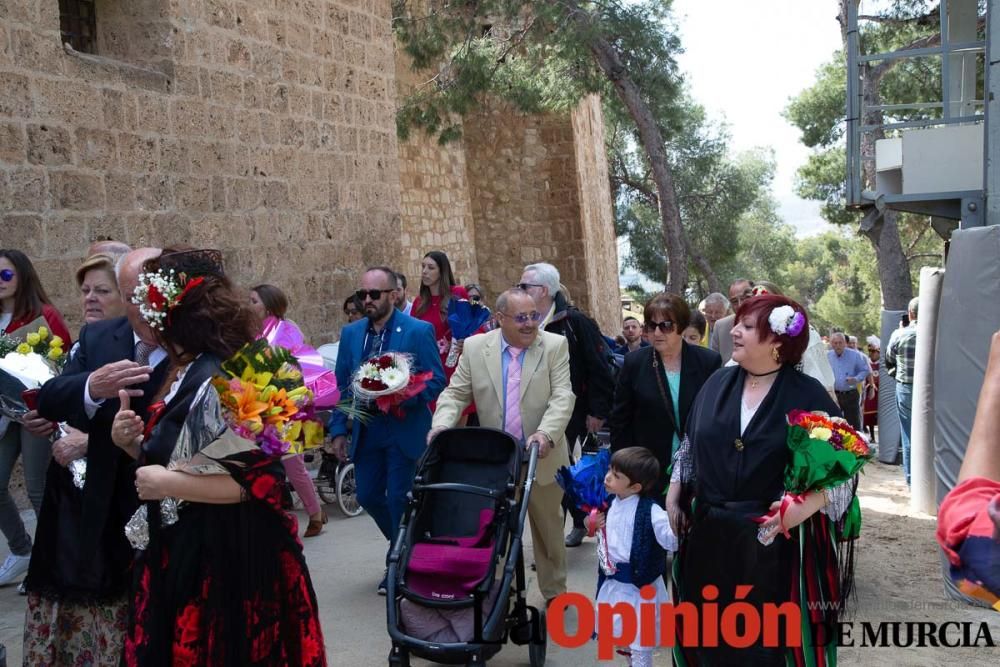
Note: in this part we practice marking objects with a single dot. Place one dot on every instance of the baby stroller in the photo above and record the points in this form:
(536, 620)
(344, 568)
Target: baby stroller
(456, 582)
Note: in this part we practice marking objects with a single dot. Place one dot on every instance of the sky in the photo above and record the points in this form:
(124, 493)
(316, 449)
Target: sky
(743, 60)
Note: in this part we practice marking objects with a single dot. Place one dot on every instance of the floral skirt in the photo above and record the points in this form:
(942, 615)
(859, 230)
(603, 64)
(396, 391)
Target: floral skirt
(74, 633)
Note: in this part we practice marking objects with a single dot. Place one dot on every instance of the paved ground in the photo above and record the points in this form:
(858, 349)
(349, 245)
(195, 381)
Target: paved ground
(346, 564)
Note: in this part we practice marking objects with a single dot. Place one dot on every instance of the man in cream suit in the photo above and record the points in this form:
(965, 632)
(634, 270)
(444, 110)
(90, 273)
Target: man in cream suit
(721, 339)
(519, 379)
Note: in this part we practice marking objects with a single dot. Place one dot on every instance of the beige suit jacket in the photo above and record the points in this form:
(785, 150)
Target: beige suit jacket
(546, 393)
(722, 340)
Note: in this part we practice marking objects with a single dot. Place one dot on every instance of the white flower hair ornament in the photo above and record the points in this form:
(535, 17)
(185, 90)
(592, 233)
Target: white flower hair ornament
(786, 320)
(160, 291)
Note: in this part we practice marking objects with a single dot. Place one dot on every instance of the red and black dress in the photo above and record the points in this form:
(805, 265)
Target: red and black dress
(225, 584)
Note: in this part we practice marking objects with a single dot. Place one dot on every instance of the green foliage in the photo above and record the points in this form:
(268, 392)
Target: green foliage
(833, 275)
(535, 55)
(719, 195)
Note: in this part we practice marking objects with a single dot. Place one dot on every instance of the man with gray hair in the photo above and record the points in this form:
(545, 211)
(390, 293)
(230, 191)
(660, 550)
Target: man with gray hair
(721, 339)
(589, 361)
(900, 357)
(850, 368)
(716, 306)
(519, 379)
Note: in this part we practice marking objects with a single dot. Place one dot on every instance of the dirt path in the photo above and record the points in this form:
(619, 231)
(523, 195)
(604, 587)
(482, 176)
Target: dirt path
(898, 578)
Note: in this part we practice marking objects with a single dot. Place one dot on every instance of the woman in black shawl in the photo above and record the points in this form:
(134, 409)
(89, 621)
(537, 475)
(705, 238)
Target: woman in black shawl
(732, 468)
(225, 581)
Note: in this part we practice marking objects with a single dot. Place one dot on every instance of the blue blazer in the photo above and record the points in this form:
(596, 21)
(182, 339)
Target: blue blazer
(406, 334)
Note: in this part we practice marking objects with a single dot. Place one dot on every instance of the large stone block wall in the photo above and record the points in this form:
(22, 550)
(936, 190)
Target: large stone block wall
(598, 268)
(262, 127)
(435, 208)
(537, 193)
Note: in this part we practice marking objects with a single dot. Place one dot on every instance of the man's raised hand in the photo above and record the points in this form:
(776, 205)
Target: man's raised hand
(108, 380)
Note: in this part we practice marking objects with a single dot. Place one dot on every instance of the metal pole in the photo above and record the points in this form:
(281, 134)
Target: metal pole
(945, 61)
(991, 135)
(923, 496)
(853, 109)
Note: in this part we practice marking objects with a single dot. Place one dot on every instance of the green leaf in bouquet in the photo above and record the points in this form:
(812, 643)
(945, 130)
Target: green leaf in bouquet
(817, 464)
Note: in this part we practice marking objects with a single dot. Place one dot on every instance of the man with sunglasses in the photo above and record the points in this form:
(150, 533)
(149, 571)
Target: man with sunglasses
(519, 379)
(721, 339)
(385, 448)
(589, 363)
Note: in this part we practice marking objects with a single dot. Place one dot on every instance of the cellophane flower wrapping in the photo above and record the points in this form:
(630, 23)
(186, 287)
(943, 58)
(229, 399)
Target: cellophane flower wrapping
(382, 375)
(464, 318)
(825, 452)
(583, 484)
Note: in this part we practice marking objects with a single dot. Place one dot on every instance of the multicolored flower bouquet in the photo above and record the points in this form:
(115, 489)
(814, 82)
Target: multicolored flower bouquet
(265, 400)
(258, 409)
(387, 380)
(824, 452)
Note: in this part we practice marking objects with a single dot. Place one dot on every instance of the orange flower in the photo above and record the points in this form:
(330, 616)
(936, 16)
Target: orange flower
(280, 408)
(247, 407)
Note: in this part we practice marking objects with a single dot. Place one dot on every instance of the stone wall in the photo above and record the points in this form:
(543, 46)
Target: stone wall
(597, 268)
(537, 193)
(435, 206)
(262, 127)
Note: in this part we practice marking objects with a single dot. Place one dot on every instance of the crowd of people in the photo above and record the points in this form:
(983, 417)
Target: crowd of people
(693, 399)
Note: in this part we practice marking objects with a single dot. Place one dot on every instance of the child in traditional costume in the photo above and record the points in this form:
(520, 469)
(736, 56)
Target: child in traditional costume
(637, 538)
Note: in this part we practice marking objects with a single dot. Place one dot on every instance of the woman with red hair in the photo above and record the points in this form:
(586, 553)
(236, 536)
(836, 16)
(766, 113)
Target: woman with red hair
(733, 465)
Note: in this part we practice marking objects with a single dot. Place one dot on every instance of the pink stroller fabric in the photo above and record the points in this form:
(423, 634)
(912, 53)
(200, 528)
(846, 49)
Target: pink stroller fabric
(446, 568)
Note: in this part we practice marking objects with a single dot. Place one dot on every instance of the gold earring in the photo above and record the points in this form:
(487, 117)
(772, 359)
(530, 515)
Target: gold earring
(775, 355)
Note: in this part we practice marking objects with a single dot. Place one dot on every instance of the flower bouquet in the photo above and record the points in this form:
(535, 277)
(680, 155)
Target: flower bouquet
(583, 484)
(465, 318)
(24, 367)
(824, 452)
(387, 380)
(258, 408)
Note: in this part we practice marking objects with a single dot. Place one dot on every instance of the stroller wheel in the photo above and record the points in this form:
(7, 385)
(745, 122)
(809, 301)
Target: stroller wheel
(539, 642)
(347, 491)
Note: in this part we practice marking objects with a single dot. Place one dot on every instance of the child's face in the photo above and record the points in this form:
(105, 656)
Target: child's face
(620, 485)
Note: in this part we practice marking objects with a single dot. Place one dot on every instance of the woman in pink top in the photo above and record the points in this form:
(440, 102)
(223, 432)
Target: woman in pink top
(270, 304)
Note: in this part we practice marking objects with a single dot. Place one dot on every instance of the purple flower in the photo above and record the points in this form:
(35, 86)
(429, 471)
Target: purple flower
(271, 443)
(798, 321)
(837, 440)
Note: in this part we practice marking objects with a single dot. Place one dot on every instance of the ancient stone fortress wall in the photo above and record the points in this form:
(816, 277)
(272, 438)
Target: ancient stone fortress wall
(533, 188)
(265, 128)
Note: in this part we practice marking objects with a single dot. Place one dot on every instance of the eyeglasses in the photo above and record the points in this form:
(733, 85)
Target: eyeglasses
(738, 300)
(523, 318)
(666, 326)
(7, 275)
(373, 294)
(525, 286)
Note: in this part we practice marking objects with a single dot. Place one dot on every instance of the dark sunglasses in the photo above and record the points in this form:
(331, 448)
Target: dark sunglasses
(525, 286)
(666, 326)
(523, 318)
(373, 294)
(7, 275)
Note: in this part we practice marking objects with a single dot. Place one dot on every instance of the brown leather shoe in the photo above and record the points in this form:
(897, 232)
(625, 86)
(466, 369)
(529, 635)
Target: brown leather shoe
(315, 526)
